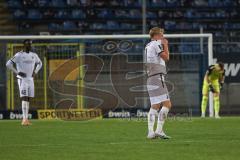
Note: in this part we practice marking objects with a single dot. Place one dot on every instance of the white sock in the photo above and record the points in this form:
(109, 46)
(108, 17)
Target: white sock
(24, 109)
(151, 119)
(27, 109)
(162, 116)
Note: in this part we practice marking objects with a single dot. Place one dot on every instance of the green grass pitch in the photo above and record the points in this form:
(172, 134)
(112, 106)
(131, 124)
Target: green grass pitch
(108, 139)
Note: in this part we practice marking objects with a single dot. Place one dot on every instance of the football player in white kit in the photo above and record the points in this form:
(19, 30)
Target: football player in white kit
(157, 54)
(25, 64)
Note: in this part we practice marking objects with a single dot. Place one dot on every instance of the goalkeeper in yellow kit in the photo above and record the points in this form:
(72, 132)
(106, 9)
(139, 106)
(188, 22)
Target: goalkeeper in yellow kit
(213, 81)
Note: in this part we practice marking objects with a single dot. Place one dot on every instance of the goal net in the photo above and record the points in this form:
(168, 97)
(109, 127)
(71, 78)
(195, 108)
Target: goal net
(108, 71)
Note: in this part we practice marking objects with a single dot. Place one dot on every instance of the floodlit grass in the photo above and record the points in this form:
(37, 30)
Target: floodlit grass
(194, 139)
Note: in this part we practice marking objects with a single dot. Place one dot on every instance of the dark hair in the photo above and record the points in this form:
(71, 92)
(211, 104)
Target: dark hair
(221, 65)
(27, 41)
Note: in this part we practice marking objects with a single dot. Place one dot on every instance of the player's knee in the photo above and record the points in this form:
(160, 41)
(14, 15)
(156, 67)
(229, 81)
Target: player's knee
(155, 106)
(216, 94)
(167, 104)
(205, 95)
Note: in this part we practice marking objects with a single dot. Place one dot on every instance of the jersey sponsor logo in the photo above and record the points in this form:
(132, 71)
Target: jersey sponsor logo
(28, 61)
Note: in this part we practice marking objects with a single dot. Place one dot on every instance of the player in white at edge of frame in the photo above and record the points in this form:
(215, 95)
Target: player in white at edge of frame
(25, 64)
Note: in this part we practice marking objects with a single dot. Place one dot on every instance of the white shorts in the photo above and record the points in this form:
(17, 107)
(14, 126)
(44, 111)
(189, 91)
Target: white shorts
(157, 89)
(26, 87)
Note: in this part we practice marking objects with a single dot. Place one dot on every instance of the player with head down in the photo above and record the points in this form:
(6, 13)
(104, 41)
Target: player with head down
(25, 64)
(157, 54)
(213, 82)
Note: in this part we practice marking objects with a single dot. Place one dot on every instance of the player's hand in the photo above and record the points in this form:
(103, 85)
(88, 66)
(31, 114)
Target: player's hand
(221, 85)
(33, 75)
(164, 41)
(211, 88)
(22, 74)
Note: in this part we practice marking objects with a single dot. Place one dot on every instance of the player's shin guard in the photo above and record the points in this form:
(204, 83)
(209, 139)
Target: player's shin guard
(204, 105)
(162, 116)
(151, 119)
(216, 106)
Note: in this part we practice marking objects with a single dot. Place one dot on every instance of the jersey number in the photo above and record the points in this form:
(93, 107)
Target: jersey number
(24, 92)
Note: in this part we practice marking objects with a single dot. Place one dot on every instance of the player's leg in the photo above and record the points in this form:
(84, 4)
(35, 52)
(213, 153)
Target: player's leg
(216, 99)
(204, 98)
(166, 106)
(153, 112)
(162, 97)
(24, 95)
(25, 108)
(30, 95)
(153, 91)
(159, 96)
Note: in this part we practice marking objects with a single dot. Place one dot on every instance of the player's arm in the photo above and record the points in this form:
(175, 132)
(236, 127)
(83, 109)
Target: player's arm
(165, 54)
(10, 65)
(222, 79)
(208, 73)
(39, 64)
(209, 82)
(162, 49)
(207, 77)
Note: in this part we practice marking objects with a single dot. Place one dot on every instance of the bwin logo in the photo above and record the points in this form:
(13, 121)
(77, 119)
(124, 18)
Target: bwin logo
(231, 69)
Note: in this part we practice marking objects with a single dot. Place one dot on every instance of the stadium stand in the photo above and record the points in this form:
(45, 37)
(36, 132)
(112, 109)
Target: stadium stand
(220, 17)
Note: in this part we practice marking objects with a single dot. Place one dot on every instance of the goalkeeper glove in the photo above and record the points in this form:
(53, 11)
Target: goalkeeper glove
(21, 74)
(211, 88)
(221, 85)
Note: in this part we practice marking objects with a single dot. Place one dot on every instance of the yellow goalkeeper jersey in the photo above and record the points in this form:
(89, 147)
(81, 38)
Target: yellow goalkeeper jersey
(214, 73)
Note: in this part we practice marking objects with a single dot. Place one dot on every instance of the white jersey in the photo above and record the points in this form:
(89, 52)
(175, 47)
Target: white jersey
(26, 62)
(155, 64)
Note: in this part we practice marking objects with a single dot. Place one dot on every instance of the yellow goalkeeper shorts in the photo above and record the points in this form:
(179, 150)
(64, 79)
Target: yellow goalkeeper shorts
(215, 84)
